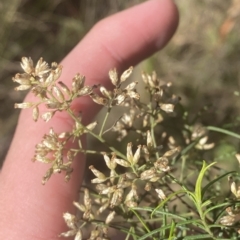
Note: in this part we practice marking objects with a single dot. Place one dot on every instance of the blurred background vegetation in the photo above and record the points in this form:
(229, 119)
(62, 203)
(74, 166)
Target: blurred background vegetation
(202, 59)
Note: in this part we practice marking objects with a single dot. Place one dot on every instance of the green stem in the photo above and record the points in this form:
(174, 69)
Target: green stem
(129, 234)
(201, 214)
(176, 181)
(104, 121)
(224, 131)
(183, 165)
(85, 151)
(198, 206)
(95, 135)
(83, 225)
(164, 223)
(51, 94)
(133, 169)
(152, 122)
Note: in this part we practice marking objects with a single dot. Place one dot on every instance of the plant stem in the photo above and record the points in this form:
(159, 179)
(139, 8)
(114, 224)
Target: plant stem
(224, 131)
(183, 165)
(104, 121)
(85, 151)
(95, 135)
(152, 122)
(201, 214)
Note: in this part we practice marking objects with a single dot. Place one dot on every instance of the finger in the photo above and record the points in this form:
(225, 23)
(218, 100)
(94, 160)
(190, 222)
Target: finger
(30, 210)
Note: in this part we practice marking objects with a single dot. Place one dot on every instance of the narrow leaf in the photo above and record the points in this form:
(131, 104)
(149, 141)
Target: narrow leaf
(141, 220)
(198, 186)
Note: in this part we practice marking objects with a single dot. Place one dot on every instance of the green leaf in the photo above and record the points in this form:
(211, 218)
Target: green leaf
(171, 233)
(215, 180)
(171, 215)
(188, 148)
(168, 198)
(126, 230)
(195, 222)
(141, 220)
(200, 236)
(206, 203)
(198, 186)
(149, 234)
(222, 205)
(224, 131)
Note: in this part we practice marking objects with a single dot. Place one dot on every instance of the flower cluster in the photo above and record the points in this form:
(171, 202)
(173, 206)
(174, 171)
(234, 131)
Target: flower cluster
(160, 102)
(160, 93)
(118, 95)
(121, 192)
(52, 151)
(200, 134)
(150, 178)
(76, 224)
(232, 217)
(125, 124)
(43, 81)
(233, 212)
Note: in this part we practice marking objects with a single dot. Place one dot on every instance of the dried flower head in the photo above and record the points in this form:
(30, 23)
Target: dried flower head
(232, 217)
(119, 94)
(160, 193)
(130, 193)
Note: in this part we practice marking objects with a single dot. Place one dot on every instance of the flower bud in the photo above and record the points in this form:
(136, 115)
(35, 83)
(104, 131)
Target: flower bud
(47, 116)
(160, 193)
(113, 76)
(126, 74)
(64, 88)
(79, 206)
(105, 92)
(122, 162)
(58, 93)
(35, 114)
(97, 173)
(148, 174)
(167, 107)
(109, 190)
(136, 156)
(110, 217)
(149, 140)
(23, 105)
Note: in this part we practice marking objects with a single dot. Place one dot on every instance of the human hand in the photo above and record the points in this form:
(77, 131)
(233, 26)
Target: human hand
(27, 209)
